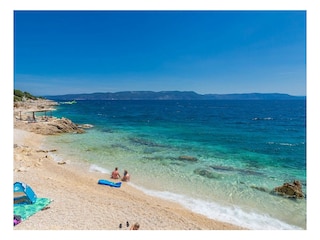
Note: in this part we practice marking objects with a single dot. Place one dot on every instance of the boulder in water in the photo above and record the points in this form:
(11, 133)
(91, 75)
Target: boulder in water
(291, 190)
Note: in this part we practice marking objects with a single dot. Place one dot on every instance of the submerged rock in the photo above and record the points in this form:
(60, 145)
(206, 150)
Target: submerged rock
(143, 142)
(188, 158)
(221, 168)
(207, 173)
(262, 189)
(291, 190)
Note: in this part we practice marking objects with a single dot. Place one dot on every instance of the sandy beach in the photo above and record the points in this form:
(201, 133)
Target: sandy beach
(79, 203)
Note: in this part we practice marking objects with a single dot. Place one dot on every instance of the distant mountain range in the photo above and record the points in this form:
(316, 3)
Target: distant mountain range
(172, 95)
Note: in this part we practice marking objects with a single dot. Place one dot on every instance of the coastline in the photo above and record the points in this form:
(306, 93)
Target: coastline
(79, 203)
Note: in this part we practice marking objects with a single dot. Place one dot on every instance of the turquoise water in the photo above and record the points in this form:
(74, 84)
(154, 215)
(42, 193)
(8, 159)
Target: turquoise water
(218, 158)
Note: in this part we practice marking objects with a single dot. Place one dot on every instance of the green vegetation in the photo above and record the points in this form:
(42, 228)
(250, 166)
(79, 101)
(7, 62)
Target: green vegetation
(22, 96)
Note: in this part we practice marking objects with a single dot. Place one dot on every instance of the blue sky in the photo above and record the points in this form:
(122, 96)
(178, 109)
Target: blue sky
(61, 52)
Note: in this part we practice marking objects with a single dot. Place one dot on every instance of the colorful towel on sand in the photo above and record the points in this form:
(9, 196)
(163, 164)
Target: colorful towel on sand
(27, 210)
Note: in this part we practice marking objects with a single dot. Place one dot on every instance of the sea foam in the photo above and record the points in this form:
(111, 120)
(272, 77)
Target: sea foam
(230, 214)
(96, 168)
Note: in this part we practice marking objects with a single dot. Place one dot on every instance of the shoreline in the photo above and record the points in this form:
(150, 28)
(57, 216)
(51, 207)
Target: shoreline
(79, 203)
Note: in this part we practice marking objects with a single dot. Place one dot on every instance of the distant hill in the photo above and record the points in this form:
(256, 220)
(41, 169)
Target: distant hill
(19, 96)
(172, 95)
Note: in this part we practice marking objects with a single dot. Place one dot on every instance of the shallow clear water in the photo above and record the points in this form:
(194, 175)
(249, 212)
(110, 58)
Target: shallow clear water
(218, 158)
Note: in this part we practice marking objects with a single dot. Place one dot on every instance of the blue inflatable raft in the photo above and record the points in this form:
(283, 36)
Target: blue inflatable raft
(109, 183)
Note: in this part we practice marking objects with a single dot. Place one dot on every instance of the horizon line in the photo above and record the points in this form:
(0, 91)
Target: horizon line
(203, 94)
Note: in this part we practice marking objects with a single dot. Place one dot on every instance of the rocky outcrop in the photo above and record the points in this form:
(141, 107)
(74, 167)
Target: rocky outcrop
(26, 119)
(50, 126)
(62, 125)
(290, 190)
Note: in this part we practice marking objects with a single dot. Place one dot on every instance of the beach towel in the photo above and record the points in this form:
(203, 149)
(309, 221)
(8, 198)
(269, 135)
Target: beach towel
(16, 219)
(27, 210)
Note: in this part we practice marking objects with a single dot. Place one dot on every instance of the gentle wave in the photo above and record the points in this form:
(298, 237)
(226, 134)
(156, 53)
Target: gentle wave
(231, 214)
(286, 144)
(266, 118)
(96, 168)
(55, 157)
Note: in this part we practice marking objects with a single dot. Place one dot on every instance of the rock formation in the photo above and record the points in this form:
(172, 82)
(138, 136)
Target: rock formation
(207, 173)
(291, 190)
(24, 118)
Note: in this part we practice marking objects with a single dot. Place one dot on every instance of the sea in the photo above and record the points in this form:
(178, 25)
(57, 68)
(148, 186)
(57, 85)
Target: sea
(218, 158)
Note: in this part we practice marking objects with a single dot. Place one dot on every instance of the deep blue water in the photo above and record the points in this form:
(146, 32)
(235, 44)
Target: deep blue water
(241, 150)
